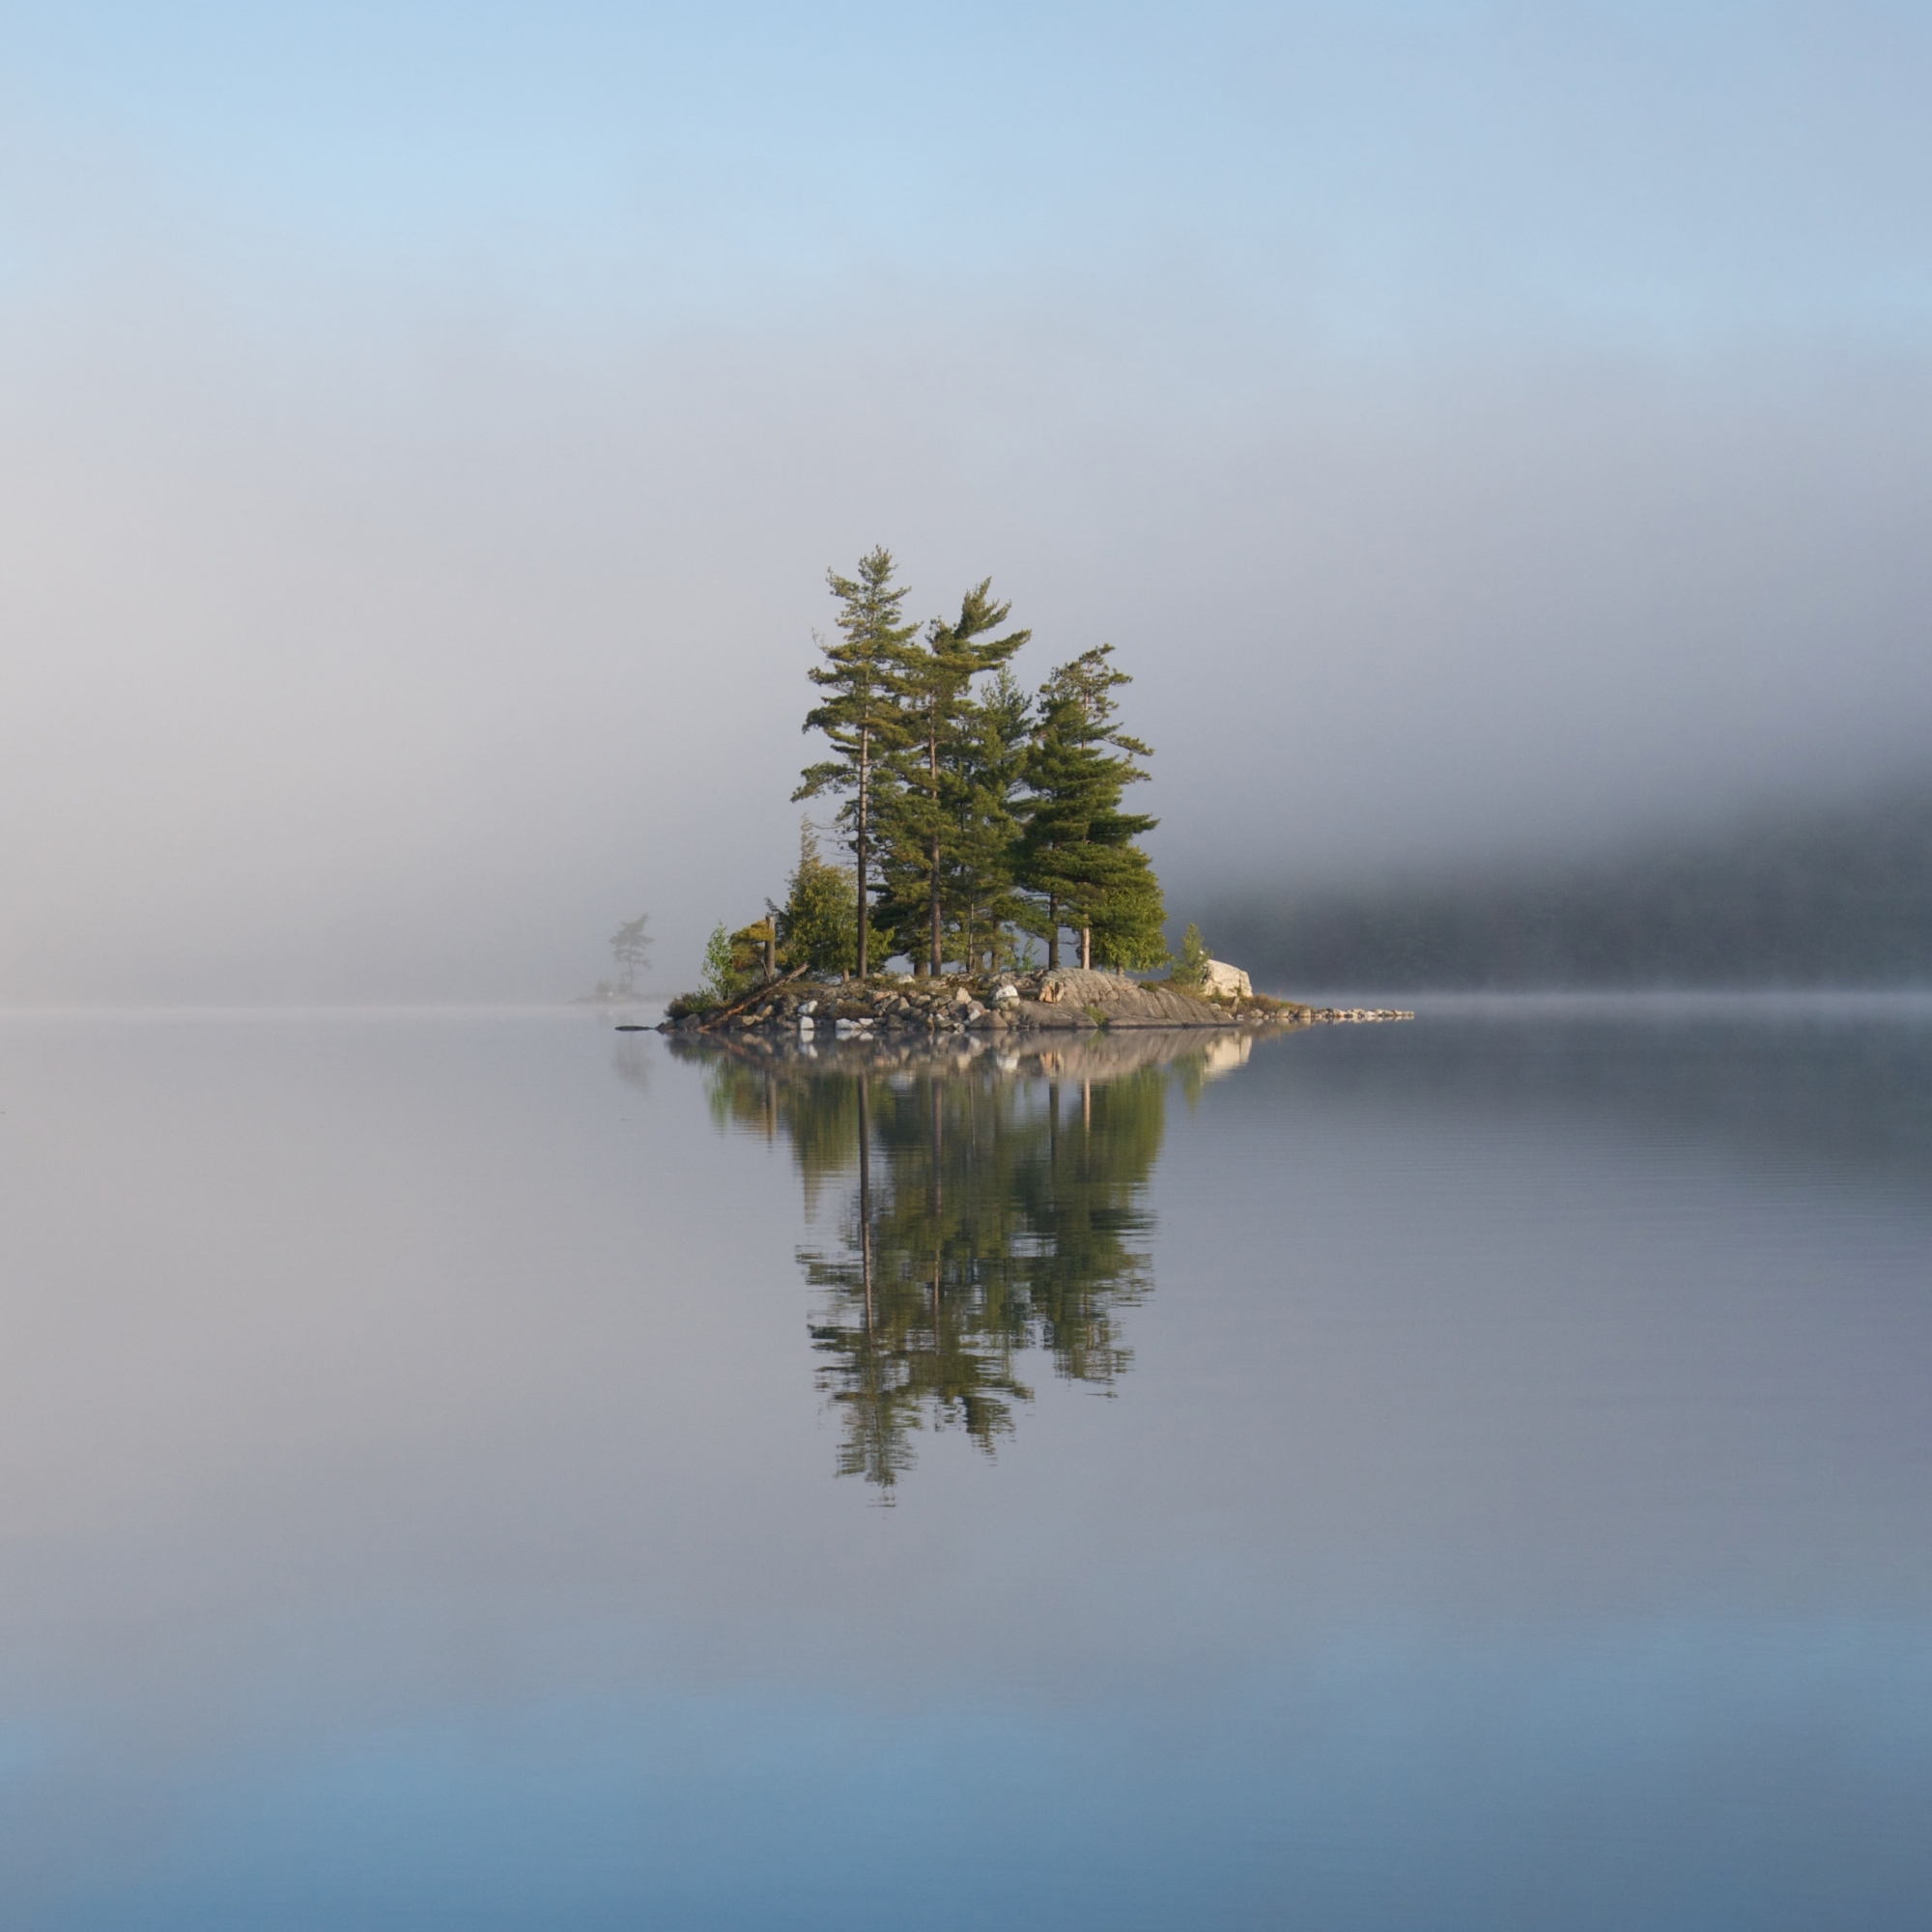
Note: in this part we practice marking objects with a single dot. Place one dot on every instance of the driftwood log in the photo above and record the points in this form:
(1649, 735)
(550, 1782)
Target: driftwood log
(750, 999)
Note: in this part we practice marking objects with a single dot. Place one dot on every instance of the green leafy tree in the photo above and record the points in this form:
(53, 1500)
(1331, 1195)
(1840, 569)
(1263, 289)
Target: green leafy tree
(818, 923)
(1076, 857)
(862, 716)
(723, 978)
(754, 952)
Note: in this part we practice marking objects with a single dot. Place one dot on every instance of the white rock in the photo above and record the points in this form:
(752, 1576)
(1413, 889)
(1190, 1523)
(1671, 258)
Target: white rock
(1005, 994)
(1227, 980)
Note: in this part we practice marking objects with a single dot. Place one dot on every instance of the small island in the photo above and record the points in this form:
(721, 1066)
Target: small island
(983, 823)
(1061, 998)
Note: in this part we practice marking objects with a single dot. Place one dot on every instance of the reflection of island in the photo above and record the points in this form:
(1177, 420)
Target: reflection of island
(995, 1205)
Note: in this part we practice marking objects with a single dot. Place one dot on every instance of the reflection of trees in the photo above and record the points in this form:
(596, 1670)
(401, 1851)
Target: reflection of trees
(631, 1061)
(988, 1215)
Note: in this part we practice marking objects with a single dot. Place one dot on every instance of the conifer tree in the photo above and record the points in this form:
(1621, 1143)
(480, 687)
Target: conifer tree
(932, 805)
(981, 901)
(863, 714)
(1076, 857)
(1190, 963)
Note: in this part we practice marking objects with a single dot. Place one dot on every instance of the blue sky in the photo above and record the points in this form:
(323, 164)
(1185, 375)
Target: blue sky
(1391, 173)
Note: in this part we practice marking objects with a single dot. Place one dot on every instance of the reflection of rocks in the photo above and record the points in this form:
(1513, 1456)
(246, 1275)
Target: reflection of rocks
(1343, 1015)
(1092, 1053)
(1224, 1056)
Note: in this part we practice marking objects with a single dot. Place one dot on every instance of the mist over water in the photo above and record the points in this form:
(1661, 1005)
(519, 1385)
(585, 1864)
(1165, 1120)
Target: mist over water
(1836, 895)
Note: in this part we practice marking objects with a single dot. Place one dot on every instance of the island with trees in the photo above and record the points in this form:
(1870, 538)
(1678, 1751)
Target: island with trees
(990, 844)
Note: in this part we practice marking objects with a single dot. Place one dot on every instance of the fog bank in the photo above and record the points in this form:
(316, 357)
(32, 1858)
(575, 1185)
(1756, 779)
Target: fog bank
(1838, 895)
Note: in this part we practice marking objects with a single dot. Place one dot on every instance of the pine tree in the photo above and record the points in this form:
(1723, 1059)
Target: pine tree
(981, 902)
(864, 714)
(1076, 857)
(1190, 963)
(931, 804)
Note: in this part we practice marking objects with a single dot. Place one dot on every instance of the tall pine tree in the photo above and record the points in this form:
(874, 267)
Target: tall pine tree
(1076, 857)
(932, 805)
(863, 715)
(981, 896)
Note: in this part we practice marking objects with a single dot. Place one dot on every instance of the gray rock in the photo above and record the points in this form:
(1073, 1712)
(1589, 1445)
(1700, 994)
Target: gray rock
(1229, 983)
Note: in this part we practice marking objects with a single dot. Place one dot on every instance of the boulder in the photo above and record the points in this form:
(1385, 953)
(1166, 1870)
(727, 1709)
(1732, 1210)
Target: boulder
(1226, 982)
(1120, 1000)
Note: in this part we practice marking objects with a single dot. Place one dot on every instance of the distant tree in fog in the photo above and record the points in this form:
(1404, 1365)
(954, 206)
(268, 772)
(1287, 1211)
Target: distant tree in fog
(631, 948)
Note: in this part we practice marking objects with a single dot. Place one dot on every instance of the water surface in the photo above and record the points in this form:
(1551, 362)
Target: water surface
(480, 1469)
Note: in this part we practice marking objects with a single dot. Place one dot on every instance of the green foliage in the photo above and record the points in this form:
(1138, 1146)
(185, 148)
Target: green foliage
(863, 715)
(986, 908)
(723, 979)
(818, 923)
(1076, 857)
(1130, 925)
(978, 813)
(1190, 965)
(936, 815)
(752, 951)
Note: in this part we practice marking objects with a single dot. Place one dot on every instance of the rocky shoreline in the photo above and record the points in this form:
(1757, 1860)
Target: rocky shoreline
(1063, 999)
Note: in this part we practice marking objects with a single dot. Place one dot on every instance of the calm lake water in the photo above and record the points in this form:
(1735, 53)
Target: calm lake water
(478, 1470)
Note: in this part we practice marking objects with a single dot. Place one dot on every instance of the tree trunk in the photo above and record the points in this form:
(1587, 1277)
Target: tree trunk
(932, 773)
(1086, 949)
(865, 922)
(938, 963)
(1052, 933)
